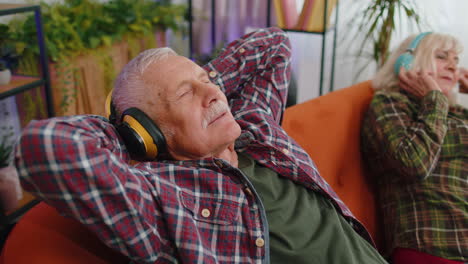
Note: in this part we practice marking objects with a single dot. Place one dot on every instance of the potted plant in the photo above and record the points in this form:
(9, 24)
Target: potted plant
(376, 23)
(5, 73)
(10, 189)
(8, 55)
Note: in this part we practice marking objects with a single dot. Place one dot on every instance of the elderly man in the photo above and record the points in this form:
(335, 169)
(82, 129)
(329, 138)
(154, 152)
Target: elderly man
(218, 186)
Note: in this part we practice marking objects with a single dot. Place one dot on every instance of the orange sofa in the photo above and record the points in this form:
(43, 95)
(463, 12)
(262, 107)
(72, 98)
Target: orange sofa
(326, 127)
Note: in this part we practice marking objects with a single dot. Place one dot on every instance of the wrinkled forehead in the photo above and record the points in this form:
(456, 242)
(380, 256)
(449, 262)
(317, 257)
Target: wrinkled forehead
(164, 77)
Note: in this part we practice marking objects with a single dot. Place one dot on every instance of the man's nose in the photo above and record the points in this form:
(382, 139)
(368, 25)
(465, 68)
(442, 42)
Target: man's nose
(209, 92)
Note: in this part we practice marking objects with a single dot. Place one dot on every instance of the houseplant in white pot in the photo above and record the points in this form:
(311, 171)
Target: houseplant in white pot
(9, 57)
(5, 73)
(10, 189)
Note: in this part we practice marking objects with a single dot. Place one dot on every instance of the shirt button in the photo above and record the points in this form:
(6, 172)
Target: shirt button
(241, 50)
(212, 74)
(219, 163)
(205, 213)
(248, 191)
(285, 151)
(259, 242)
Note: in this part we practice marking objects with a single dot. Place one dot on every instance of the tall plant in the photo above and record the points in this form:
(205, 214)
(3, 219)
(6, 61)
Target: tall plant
(75, 26)
(376, 22)
(8, 50)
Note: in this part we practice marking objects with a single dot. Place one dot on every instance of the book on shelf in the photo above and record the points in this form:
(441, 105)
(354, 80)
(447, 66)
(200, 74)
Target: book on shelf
(286, 13)
(314, 17)
(306, 12)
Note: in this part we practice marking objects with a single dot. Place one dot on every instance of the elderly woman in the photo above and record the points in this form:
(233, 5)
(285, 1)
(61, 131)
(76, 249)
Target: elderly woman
(415, 141)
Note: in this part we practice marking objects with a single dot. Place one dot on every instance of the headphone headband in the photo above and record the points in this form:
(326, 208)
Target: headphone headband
(414, 44)
(110, 109)
(405, 60)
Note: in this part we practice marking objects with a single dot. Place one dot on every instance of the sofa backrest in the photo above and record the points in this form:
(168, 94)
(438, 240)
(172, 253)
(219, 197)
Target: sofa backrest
(328, 128)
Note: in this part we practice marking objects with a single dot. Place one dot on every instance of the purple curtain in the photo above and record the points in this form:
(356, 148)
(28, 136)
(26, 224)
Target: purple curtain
(233, 18)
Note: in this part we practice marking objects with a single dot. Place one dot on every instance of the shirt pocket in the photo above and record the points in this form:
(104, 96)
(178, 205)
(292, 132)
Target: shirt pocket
(211, 210)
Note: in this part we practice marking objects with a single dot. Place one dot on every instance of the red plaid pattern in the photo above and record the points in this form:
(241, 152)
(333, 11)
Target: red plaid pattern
(177, 211)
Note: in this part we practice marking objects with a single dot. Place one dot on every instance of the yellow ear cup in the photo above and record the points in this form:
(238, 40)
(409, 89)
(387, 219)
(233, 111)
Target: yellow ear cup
(142, 137)
(150, 146)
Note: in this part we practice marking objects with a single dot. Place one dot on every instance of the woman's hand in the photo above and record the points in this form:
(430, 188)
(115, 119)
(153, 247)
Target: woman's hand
(418, 83)
(463, 81)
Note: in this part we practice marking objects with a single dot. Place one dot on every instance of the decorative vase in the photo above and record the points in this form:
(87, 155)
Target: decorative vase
(5, 76)
(10, 188)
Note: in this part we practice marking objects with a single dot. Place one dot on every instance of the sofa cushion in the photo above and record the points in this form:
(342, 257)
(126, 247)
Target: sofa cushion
(328, 128)
(44, 236)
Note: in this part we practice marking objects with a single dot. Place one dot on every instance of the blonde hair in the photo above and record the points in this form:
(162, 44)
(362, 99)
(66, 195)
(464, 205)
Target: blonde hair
(424, 58)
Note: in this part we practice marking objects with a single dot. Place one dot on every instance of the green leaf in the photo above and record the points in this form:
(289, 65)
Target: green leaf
(94, 42)
(75, 26)
(106, 40)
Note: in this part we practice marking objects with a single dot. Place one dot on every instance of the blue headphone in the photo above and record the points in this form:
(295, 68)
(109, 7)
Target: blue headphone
(406, 59)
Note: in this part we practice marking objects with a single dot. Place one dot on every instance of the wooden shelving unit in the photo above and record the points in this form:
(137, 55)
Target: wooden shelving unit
(20, 84)
(323, 33)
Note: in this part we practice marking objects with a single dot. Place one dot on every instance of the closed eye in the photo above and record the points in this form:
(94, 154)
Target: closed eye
(441, 56)
(186, 92)
(183, 91)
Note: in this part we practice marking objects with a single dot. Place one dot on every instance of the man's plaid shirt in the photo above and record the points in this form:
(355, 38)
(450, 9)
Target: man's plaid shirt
(199, 211)
(418, 150)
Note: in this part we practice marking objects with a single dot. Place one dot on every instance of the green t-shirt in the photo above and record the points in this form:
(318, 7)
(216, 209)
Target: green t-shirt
(304, 225)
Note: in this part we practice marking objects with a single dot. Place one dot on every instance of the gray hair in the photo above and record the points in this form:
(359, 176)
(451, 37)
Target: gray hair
(129, 86)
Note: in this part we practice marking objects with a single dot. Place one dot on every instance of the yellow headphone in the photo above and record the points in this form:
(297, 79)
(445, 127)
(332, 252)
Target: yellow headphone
(143, 138)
